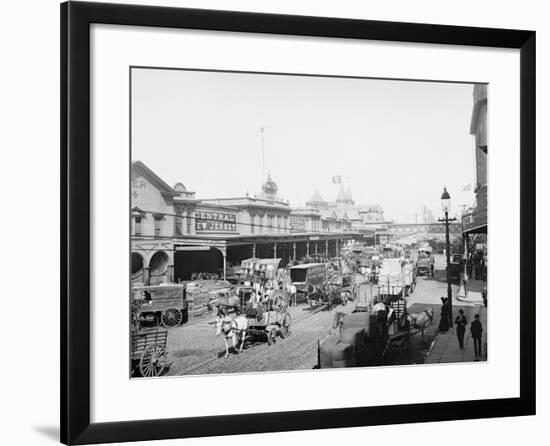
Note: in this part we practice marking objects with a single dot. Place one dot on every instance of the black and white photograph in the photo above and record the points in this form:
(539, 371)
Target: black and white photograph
(291, 222)
(266, 222)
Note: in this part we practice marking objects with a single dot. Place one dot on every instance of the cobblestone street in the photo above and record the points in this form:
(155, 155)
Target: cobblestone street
(195, 349)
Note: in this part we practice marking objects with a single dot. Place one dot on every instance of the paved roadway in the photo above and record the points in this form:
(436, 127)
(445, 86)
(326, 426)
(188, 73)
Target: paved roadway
(195, 349)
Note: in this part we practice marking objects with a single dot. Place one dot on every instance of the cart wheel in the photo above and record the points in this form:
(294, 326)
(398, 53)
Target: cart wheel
(285, 326)
(271, 335)
(171, 317)
(152, 361)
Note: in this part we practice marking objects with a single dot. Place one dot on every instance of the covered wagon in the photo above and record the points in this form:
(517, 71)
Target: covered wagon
(161, 304)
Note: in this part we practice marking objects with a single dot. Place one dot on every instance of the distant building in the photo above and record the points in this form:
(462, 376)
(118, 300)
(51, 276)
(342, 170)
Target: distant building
(344, 214)
(427, 216)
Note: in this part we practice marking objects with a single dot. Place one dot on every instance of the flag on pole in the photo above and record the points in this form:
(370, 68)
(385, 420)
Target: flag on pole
(337, 179)
(467, 187)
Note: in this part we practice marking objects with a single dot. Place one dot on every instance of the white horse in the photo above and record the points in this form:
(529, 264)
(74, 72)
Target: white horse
(232, 328)
(421, 320)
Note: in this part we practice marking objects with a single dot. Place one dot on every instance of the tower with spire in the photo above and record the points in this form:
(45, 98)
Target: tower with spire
(316, 201)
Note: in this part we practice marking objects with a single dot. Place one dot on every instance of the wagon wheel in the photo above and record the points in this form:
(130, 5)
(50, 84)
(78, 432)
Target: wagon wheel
(279, 302)
(171, 317)
(271, 335)
(152, 361)
(285, 326)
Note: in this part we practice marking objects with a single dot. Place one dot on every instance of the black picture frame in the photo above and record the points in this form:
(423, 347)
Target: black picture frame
(76, 18)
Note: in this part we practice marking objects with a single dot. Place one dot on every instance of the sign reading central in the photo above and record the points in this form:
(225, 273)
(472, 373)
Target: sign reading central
(215, 221)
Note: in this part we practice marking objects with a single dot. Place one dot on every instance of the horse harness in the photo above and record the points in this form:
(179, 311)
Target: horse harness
(232, 326)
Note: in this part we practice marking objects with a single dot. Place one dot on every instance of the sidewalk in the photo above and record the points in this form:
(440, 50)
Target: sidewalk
(445, 346)
(474, 294)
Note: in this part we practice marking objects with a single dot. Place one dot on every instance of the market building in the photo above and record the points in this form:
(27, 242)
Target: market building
(176, 234)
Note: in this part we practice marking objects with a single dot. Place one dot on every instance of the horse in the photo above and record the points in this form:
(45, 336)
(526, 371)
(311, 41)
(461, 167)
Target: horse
(421, 320)
(232, 328)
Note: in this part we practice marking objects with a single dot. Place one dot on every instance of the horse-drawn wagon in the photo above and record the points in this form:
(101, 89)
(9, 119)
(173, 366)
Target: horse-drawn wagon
(307, 276)
(148, 354)
(161, 304)
(425, 262)
(274, 321)
(397, 279)
(366, 338)
(265, 319)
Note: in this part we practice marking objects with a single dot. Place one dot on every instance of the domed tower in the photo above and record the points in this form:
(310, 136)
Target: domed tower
(180, 188)
(269, 188)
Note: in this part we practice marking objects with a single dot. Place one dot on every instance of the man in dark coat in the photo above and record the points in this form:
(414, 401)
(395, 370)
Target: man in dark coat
(476, 329)
(461, 322)
(444, 321)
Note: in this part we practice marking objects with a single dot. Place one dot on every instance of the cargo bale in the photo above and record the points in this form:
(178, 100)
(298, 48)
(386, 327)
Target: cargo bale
(352, 335)
(326, 348)
(342, 351)
(343, 363)
(357, 320)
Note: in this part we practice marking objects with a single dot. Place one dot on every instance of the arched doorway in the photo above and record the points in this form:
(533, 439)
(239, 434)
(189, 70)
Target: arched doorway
(158, 267)
(137, 263)
(205, 261)
(137, 268)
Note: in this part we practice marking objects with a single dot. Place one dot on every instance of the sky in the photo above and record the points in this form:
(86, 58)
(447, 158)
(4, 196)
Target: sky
(394, 143)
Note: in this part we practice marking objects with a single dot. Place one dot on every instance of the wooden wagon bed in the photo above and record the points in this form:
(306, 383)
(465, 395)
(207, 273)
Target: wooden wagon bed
(148, 352)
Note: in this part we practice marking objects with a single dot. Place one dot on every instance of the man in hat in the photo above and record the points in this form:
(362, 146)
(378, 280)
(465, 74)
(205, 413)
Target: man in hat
(476, 330)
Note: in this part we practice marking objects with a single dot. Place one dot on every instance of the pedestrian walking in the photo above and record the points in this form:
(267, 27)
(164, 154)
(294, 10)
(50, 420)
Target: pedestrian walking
(461, 322)
(444, 321)
(476, 330)
(293, 291)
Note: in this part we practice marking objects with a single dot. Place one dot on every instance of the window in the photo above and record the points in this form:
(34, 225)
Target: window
(137, 225)
(158, 226)
(189, 219)
(252, 218)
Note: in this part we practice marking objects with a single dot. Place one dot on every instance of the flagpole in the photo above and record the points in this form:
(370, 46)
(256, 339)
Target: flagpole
(263, 152)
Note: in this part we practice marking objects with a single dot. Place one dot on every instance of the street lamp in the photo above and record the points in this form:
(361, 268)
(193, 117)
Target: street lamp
(445, 201)
(446, 206)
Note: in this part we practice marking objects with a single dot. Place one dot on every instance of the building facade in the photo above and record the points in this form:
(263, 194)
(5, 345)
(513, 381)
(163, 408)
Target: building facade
(344, 214)
(475, 221)
(175, 234)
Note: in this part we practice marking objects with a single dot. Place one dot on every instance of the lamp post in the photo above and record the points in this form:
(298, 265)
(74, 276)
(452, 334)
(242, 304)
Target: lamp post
(446, 206)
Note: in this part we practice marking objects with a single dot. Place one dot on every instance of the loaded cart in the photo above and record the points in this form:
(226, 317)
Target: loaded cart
(162, 304)
(356, 340)
(148, 355)
(275, 320)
